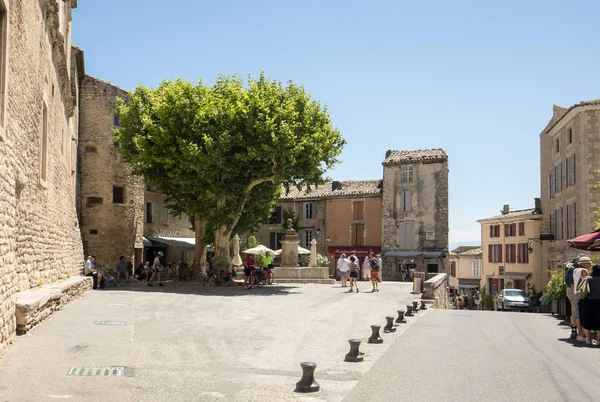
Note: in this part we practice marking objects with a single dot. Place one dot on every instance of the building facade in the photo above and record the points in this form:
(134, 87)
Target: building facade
(568, 168)
(465, 268)
(415, 212)
(39, 78)
(343, 216)
(512, 251)
(111, 200)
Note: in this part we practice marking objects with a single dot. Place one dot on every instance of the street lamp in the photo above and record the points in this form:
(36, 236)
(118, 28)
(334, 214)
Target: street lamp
(318, 231)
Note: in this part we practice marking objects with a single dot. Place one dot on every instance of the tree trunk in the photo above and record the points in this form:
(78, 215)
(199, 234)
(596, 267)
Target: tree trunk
(200, 247)
(222, 258)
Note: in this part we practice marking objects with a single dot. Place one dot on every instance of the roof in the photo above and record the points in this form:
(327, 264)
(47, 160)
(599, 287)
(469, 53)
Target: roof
(467, 250)
(520, 214)
(397, 157)
(344, 188)
(556, 119)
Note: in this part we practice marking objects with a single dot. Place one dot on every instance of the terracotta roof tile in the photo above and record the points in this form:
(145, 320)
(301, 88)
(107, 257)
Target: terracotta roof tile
(552, 123)
(395, 157)
(513, 214)
(348, 188)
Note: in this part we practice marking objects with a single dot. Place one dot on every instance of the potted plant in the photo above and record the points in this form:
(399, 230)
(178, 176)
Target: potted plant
(555, 289)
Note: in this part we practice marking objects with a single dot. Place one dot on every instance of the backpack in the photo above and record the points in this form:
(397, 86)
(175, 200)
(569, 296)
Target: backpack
(583, 287)
(375, 264)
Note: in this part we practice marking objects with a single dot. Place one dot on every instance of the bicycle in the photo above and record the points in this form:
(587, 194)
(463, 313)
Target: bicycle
(257, 278)
(219, 280)
(210, 275)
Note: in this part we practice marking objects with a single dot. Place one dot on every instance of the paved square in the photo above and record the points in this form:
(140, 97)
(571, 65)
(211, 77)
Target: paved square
(187, 343)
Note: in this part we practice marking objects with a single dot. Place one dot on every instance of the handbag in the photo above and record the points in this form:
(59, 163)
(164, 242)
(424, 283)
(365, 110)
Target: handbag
(583, 287)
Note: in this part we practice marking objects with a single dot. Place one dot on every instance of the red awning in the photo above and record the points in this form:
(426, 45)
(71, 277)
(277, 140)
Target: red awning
(584, 242)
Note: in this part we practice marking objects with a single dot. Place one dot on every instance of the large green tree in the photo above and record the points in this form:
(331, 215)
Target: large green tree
(222, 153)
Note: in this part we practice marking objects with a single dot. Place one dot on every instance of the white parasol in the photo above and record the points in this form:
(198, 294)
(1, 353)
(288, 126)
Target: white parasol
(237, 260)
(301, 250)
(260, 249)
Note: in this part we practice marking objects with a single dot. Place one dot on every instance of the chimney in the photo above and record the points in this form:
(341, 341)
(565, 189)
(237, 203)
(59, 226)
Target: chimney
(538, 205)
(505, 209)
(336, 185)
(388, 153)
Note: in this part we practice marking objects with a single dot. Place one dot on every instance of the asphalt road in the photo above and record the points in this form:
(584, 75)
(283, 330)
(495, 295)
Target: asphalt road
(484, 356)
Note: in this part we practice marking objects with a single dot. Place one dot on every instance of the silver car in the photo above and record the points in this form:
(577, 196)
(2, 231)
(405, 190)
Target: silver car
(513, 299)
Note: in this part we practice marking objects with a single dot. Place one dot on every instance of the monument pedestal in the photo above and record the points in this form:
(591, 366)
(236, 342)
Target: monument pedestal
(302, 275)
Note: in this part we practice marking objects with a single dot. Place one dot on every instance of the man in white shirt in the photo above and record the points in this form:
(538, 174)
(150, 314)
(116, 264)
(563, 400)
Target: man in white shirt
(156, 269)
(343, 267)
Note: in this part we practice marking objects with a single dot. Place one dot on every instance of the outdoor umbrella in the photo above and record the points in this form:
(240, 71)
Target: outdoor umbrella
(260, 249)
(301, 250)
(586, 242)
(313, 253)
(237, 260)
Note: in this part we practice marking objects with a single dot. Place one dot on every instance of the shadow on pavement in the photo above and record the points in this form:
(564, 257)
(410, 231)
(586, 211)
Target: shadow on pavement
(577, 344)
(238, 289)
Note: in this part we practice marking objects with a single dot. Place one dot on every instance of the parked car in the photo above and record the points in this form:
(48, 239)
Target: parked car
(514, 299)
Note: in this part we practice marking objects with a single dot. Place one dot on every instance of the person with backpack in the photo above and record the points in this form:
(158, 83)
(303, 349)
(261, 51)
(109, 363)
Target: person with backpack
(375, 267)
(354, 268)
(589, 307)
(584, 264)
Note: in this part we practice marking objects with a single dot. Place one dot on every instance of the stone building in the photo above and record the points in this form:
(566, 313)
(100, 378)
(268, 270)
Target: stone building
(415, 211)
(568, 166)
(111, 198)
(344, 217)
(512, 250)
(39, 232)
(465, 268)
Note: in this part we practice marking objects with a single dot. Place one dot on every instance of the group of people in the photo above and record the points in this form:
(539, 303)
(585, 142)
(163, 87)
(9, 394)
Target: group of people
(349, 269)
(266, 262)
(582, 282)
(467, 301)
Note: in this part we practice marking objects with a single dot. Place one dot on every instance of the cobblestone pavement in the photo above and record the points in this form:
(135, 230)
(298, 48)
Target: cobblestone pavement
(187, 343)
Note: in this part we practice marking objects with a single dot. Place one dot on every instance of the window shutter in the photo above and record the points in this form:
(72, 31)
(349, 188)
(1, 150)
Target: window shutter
(519, 252)
(499, 252)
(491, 230)
(156, 213)
(490, 249)
(574, 170)
(514, 229)
(507, 251)
(505, 230)
(453, 269)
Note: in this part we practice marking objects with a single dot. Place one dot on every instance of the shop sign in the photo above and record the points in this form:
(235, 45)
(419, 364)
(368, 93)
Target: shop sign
(350, 249)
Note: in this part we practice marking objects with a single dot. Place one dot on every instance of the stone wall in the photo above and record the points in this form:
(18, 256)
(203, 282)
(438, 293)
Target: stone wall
(110, 228)
(39, 231)
(436, 289)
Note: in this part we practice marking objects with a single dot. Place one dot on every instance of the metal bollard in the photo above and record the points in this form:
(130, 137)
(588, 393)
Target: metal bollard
(307, 383)
(400, 318)
(423, 306)
(354, 355)
(408, 311)
(389, 327)
(375, 337)
(415, 306)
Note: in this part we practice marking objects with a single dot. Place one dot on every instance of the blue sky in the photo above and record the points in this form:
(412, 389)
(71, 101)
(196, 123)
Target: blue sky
(476, 78)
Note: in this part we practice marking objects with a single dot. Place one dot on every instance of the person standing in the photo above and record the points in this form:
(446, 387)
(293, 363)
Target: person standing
(122, 270)
(380, 265)
(248, 267)
(590, 308)
(156, 269)
(477, 299)
(366, 269)
(570, 293)
(584, 264)
(343, 267)
(354, 270)
(375, 267)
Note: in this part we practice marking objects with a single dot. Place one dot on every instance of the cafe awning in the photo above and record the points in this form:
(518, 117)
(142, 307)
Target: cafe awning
(469, 283)
(414, 254)
(519, 275)
(180, 242)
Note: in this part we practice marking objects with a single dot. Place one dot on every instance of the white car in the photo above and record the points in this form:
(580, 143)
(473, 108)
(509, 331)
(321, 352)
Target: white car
(513, 299)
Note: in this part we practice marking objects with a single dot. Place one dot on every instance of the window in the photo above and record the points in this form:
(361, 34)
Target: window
(118, 195)
(510, 229)
(275, 240)
(559, 182)
(521, 228)
(553, 182)
(358, 210)
(553, 224)
(549, 186)
(453, 269)
(559, 223)
(511, 254)
(308, 210)
(405, 201)
(44, 144)
(149, 212)
(275, 217)
(570, 177)
(570, 135)
(358, 234)
(91, 201)
(522, 253)
(494, 230)
(432, 268)
(475, 265)
(405, 235)
(307, 238)
(93, 231)
(116, 120)
(407, 174)
(557, 146)
(495, 253)
(567, 225)
(3, 52)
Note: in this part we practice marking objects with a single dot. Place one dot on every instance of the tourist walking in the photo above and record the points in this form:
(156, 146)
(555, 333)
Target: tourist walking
(122, 270)
(354, 269)
(379, 267)
(477, 298)
(156, 269)
(366, 269)
(570, 293)
(375, 266)
(589, 307)
(343, 267)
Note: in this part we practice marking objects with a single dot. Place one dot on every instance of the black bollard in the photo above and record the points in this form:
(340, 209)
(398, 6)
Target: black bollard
(389, 327)
(354, 355)
(400, 318)
(408, 311)
(423, 306)
(307, 383)
(375, 337)
(415, 306)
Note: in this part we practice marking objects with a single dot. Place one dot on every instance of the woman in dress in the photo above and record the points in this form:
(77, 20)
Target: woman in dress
(354, 272)
(366, 268)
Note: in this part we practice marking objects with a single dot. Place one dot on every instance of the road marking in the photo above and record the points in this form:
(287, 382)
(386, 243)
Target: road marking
(110, 322)
(96, 371)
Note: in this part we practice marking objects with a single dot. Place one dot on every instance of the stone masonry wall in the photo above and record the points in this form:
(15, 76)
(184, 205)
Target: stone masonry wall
(39, 232)
(109, 229)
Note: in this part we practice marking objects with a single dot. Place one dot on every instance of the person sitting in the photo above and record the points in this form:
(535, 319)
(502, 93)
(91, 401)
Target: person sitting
(91, 269)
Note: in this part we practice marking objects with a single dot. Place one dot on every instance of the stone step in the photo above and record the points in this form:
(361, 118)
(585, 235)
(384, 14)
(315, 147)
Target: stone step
(321, 281)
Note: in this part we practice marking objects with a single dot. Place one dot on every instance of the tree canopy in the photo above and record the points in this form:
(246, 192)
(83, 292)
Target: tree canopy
(224, 152)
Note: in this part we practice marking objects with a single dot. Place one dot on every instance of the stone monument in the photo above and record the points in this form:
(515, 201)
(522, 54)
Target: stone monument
(289, 246)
